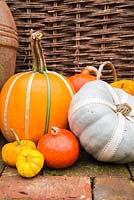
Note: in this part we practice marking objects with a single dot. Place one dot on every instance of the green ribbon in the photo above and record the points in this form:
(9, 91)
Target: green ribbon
(48, 101)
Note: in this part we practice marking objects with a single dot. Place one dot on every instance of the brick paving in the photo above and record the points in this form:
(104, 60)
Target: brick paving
(48, 187)
(86, 179)
(113, 188)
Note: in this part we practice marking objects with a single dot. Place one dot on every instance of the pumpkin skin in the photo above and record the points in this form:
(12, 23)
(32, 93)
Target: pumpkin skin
(10, 151)
(60, 148)
(29, 163)
(98, 117)
(126, 85)
(14, 114)
(26, 102)
(78, 80)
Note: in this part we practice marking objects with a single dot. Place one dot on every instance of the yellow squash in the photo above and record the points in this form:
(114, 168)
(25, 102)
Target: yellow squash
(11, 150)
(29, 162)
(126, 85)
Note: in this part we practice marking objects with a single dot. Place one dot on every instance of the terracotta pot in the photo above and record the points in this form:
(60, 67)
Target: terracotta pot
(8, 43)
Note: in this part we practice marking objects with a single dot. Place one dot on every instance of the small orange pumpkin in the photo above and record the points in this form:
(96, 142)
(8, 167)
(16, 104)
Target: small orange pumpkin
(87, 74)
(10, 151)
(31, 102)
(59, 147)
(78, 80)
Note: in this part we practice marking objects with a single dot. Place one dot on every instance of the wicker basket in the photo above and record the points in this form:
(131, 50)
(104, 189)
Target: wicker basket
(77, 33)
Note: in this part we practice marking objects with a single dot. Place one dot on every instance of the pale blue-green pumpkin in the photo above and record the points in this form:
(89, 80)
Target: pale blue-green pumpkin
(102, 117)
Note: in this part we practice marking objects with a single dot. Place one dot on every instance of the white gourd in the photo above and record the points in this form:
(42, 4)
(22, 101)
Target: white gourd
(102, 118)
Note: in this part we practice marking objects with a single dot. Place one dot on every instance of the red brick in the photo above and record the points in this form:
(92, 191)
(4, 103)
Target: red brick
(113, 188)
(46, 188)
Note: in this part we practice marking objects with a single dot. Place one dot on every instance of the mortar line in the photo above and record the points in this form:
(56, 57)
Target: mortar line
(130, 172)
(92, 186)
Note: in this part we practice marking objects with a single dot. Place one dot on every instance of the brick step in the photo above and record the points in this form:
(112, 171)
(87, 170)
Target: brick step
(45, 187)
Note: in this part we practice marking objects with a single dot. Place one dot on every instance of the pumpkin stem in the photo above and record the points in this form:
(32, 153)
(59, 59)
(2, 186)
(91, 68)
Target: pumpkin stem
(39, 63)
(124, 108)
(107, 64)
(90, 69)
(34, 53)
(16, 136)
(54, 130)
(41, 58)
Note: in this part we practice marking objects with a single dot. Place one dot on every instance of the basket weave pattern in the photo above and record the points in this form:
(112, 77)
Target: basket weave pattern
(77, 33)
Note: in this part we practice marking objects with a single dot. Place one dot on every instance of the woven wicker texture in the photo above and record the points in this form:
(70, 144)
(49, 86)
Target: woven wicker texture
(77, 33)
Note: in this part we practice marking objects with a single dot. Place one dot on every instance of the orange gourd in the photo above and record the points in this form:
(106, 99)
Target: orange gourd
(33, 101)
(87, 74)
(10, 151)
(59, 147)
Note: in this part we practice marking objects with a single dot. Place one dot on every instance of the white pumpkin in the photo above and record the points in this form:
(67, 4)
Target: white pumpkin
(102, 118)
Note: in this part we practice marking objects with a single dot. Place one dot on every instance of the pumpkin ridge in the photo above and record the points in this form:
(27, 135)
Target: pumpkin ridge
(112, 145)
(64, 80)
(29, 86)
(48, 101)
(7, 101)
(112, 92)
(92, 100)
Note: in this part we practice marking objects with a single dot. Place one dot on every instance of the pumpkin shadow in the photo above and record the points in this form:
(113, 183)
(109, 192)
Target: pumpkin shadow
(86, 165)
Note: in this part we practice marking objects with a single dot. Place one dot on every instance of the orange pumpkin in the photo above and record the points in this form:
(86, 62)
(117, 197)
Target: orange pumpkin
(87, 74)
(78, 80)
(126, 85)
(59, 147)
(31, 102)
